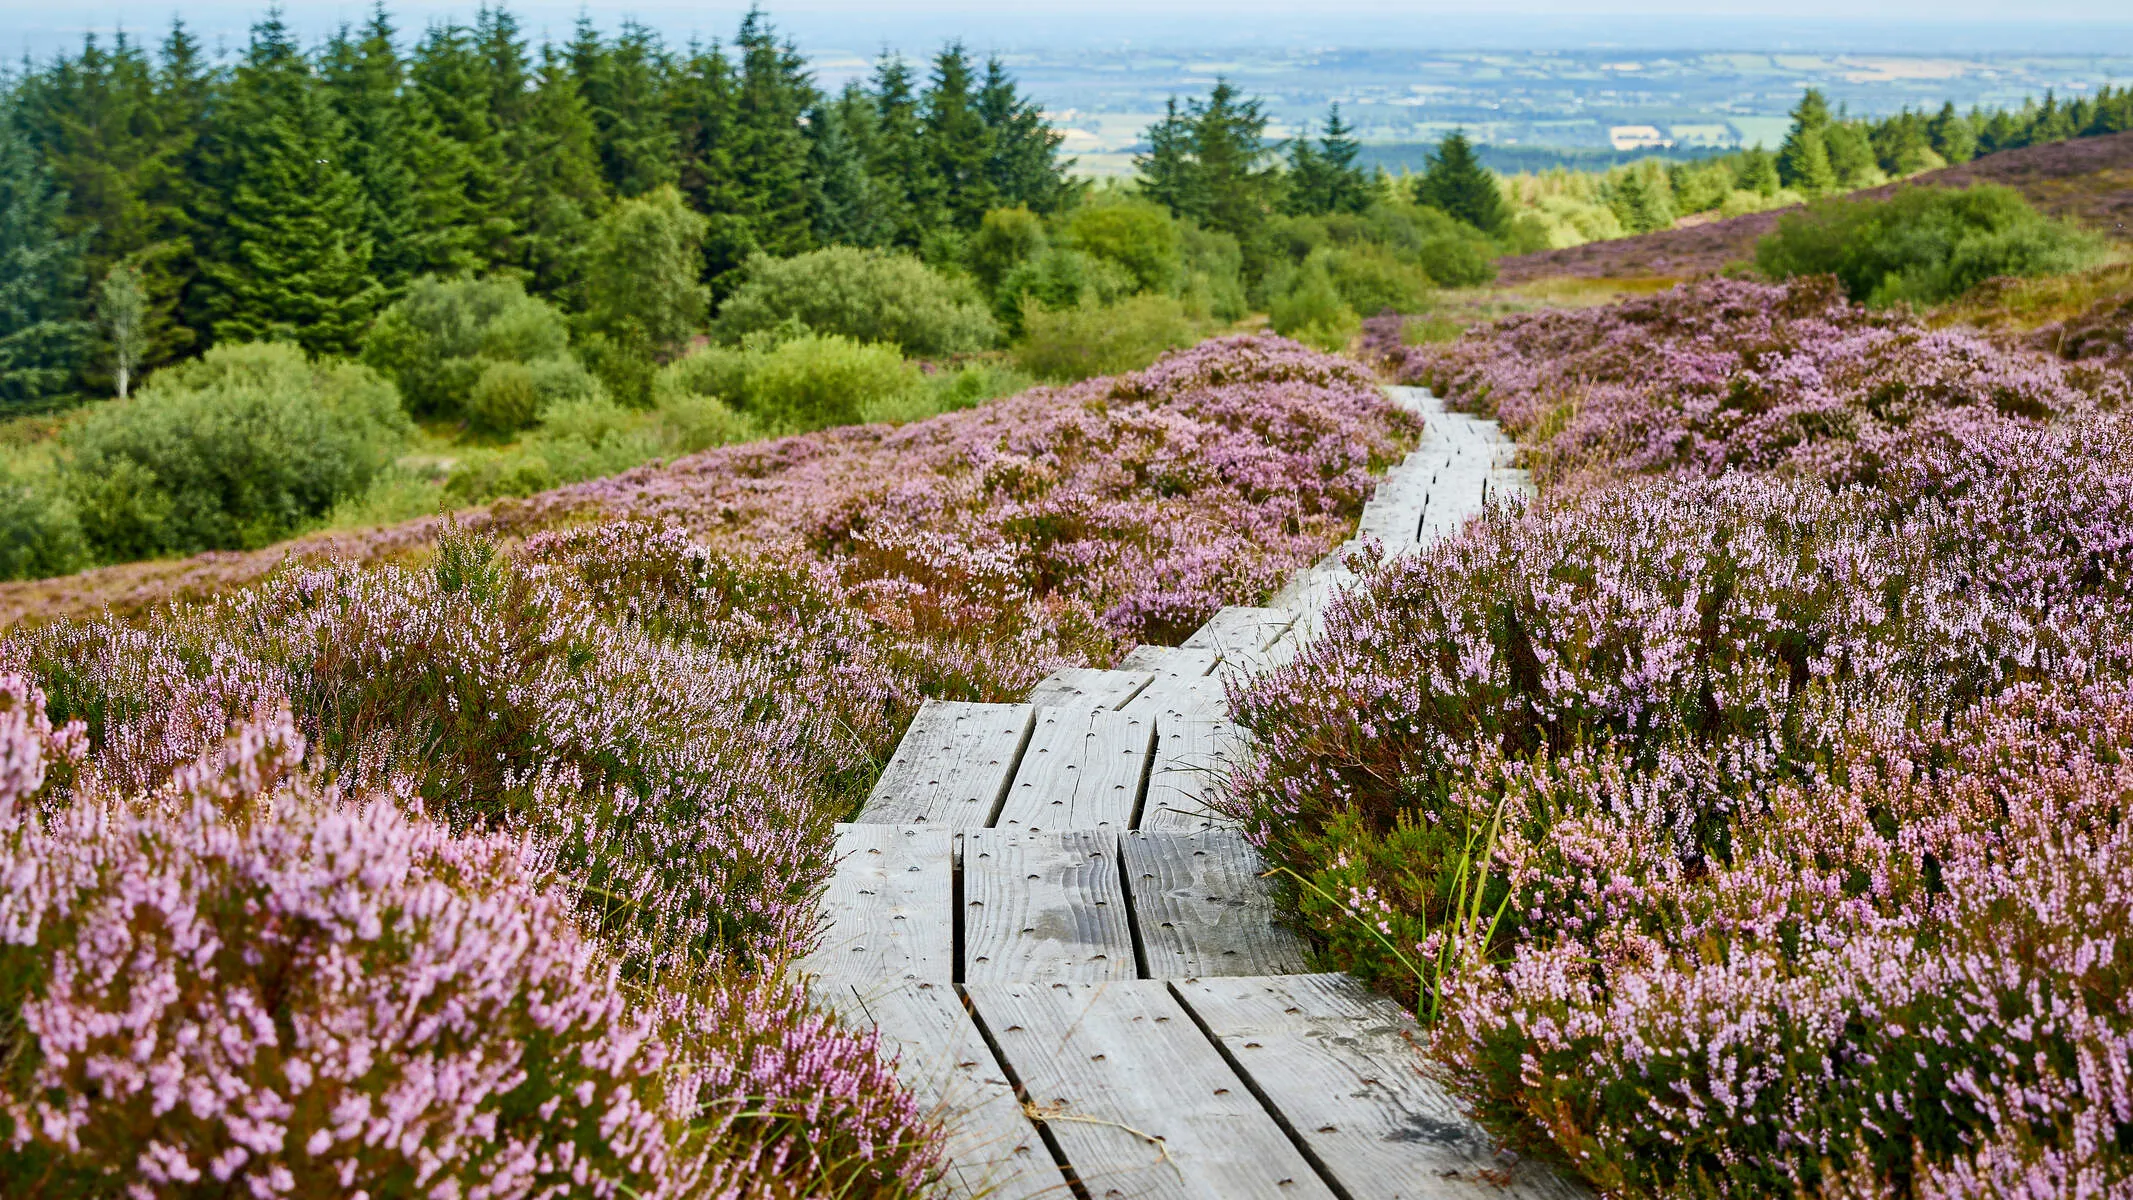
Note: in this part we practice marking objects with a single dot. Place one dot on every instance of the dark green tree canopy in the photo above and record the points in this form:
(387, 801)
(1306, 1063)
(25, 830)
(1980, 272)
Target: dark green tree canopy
(1456, 184)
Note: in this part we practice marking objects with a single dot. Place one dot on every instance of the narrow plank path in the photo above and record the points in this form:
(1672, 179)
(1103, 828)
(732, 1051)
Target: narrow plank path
(1074, 953)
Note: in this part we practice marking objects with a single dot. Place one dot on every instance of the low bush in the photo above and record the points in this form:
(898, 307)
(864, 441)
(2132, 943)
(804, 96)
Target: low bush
(241, 447)
(1097, 339)
(1060, 279)
(1371, 279)
(437, 340)
(814, 382)
(1139, 236)
(511, 396)
(1307, 306)
(1922, 245)
(864, 295)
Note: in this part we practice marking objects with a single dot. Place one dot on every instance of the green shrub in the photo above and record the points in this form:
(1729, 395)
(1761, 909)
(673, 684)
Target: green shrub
(1214, 272)
(693, 421)
(242, 447)
(644, 262)
(1091, 339)
(863, 295)
(1457, 261)
(822, 380)
(1371, 279)
(511, 396)
(718, 371)
(1308, 307)
(962, 387)
(1923, 245)
(1061, 279)
(1006, 238)
(576, 440)
(40, 534)
(1135, 234)
(437, 340)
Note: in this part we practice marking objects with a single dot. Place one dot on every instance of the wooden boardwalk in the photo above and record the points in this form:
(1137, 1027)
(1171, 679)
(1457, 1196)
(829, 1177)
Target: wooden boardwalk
(1075, 956)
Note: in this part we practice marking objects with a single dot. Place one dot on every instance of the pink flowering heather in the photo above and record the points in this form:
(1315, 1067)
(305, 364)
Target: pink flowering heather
(1752, 835)
(624, 716)
(249, 982)
(1722, 375)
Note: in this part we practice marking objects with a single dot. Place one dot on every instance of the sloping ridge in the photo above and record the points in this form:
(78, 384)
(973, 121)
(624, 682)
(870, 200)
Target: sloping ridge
(2089, 180)
(1076, 959)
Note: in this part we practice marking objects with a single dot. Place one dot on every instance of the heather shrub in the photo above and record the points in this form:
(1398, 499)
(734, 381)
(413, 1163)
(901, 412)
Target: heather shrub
(864, 295)
(1092, 339)
(253, 977)
(1922, 245)
(240, 448)
(436, 342)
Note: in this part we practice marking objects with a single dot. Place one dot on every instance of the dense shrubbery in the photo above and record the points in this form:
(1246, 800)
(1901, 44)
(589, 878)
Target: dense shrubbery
(1091, 339)
(237, 449)
(865, 295)
(675, 714)
(1922, 245)
(1758, 827)
(439, 340)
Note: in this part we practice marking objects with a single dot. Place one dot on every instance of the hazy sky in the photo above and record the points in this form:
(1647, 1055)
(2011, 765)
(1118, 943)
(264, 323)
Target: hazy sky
(1970, 26)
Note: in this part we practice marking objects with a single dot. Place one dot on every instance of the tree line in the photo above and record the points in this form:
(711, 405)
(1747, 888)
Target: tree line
(154, 204)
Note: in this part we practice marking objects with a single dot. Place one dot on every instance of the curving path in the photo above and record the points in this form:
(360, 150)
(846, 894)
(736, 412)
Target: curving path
(1077, 961)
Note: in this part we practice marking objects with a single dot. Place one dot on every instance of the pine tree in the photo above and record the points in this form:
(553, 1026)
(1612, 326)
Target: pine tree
(958, 145)
(1803, 160)
(841, 195)
(173, 182)
(1757, 172)
(42, 337)
(1164, 173)
(459, 152)
(1952, 137)
(558, 186)
(895, 159)
(414, 201)
(770, 142)
(93, 122)
(1347, 188)
(1456, 184)
(1231, 186)
(625, 94)
(293, 261)
(1851, 156)
(1308, 190)
(1023, 163)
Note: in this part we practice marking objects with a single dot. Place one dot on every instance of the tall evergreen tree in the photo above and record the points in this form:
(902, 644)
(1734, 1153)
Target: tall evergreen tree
(895, 158)
(1231, 186)
(1803, 160)
(1348, 189)
(1022, 163)
(1164, 173)
(42, 279)
(1458, 185)
(958, 144)
(558, 188)
(172, 187)
(770, 142)
(1952, 137)
(625, 91)
(293, 260)
(846, 210)
(461, 151)
(94, 122)
(1757, 172)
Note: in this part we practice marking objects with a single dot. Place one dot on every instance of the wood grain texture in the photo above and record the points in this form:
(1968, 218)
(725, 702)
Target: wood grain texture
(993, 1151)
(1087, 687)
(952, 767)
(1044, 906)
(1202, 909)
(890, 908)
(1346, 1072)
(1237, 630)
(1171, 662)
(1193, 760)
(1137, 1098)
(1082, 770)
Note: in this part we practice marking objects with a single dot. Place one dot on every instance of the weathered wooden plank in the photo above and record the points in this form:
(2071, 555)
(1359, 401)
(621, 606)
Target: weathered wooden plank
(1193, 760)
(1082, 770)
(1201, 908)
(993, 1151)
(1186, 687)
(1241, 631)
(890, 907)
(1044, 906)
(1087, 687)
(952, 767)
(1137, 1099)
(1170, 662)
(1345, 1071)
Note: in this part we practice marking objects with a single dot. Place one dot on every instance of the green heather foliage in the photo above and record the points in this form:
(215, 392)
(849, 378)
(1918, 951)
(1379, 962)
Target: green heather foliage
(865, 295)
(238, 449)
(1922, 245)
(437, 341)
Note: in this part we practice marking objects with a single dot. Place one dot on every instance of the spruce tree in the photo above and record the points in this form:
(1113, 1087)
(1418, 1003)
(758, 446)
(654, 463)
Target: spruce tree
(958, 144)
(1023, 161)
(460, 152)
(1456, 184)
(844, 206)
(42, 281)
(770, 143)
(558, 188)
(93, 120)
(1231, 186)
(1164, 173)
(1803, 160)
(1307, 191)
(173, 183)
(625, 93)
(895, 158)
(1953, 137)
(1757, 172)
(293, 261)
(1347, 188)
